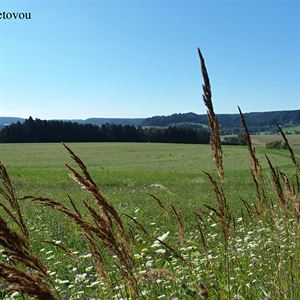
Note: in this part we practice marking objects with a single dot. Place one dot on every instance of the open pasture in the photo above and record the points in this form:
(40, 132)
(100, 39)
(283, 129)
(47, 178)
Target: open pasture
(262, 139)
(126, 173)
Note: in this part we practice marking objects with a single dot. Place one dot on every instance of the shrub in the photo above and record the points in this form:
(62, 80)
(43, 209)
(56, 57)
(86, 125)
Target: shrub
(276, 145)
(233, 140)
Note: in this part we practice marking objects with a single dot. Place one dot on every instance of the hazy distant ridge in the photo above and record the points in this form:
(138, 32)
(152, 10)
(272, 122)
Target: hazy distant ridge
(116, 121)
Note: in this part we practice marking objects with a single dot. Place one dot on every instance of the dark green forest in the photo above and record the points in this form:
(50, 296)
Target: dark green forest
(60, 131)
(230, 123)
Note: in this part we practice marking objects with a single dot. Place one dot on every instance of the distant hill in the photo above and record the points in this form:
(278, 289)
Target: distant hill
(229, 123)
(116, 121)
(8, 120)
(4, 121)
(94, 121)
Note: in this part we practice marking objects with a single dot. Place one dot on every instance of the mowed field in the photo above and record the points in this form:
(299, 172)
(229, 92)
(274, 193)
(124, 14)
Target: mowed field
(262, 139)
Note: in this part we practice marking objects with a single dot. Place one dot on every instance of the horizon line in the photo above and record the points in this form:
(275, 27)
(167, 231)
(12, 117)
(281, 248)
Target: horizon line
(162, 115)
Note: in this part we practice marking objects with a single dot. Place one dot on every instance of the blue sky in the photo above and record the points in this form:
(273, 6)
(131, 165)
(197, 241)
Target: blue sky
(81, 59)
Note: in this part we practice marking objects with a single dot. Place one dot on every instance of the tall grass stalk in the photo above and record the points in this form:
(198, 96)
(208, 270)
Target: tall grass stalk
(254, 256)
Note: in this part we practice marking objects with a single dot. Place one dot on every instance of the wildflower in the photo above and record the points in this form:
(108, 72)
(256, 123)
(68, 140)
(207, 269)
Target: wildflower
(164, 236)
(86, 256)
(80, 277)
(15, 294)
(137, 257)
(149, 263)
(156, 244)
(63, 281)
(160, 251)
(95, 283)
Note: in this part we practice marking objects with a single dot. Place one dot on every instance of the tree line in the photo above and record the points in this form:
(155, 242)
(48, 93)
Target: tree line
(230, 123)
(37, 130)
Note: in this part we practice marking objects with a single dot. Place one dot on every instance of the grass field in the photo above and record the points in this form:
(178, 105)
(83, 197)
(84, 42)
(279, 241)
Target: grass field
(292, 129)
(126, 172)
(262, 139)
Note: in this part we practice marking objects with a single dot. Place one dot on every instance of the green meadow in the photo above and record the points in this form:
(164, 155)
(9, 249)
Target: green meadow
(127, 173)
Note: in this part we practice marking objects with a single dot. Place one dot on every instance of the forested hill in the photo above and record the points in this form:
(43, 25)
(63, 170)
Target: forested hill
(229, 123)
(4, 121)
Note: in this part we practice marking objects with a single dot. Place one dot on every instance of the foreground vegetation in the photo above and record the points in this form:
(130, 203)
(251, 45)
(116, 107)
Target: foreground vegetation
(69, 244)
(127, 172)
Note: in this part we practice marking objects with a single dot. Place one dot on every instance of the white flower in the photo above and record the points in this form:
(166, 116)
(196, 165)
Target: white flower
(155, 244)
(80, 277)
(149, 263)
(62, 281)
(89, 269)
(15, 294)
(164, 236)
(95, 283)
(160, 251)
(86, 256)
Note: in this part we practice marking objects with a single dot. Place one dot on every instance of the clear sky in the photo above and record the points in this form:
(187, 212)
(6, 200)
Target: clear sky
(84, 58)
